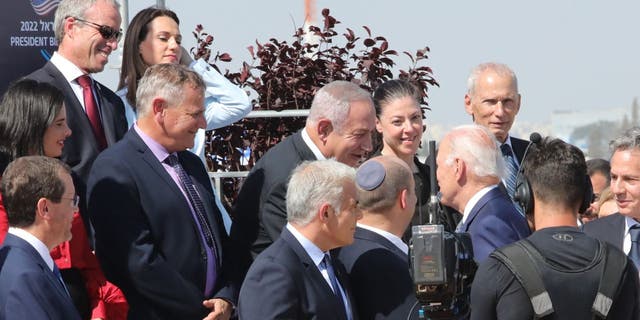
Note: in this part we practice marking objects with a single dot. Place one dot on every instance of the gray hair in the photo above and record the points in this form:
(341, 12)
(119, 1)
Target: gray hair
(499, 68)
(397, 177)
(166, 81)
(73, 8)
(333, 102)
(630, 139)
(477, 146)
(314, 183)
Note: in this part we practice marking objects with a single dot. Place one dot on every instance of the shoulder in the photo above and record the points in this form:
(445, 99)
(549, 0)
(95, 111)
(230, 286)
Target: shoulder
(604, 223)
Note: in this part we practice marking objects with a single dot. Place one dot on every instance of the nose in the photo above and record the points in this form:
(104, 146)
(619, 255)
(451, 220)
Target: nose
(366, 143)
(202, 122)
(68, 132)
(616, 186)
(173, 43)
(499, 109)
(112, 43)
(409, 126)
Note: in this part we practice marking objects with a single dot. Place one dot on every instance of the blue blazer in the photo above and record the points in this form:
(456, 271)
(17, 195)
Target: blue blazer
(609, 229)
(493, 223)
(28, 288)
(147, 240)
(380, 277)
(284, 283)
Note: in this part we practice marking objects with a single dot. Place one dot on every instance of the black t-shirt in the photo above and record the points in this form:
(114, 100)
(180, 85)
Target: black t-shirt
(496, 294)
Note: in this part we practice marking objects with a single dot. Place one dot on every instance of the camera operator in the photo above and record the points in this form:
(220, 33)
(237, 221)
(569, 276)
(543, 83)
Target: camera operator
(566, 273)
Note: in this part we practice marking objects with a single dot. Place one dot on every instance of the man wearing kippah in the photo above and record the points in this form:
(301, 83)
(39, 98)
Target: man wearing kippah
(386, 194)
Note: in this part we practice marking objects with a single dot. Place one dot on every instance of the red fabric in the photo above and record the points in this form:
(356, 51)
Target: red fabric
(4, 223)
(107, 301)
(92, 109)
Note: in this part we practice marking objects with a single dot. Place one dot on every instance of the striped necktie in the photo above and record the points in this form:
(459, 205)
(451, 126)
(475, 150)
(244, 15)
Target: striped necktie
(512, 173)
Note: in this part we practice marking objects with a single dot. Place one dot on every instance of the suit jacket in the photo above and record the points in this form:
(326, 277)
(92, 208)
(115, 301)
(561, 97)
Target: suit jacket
(284, 283)
(380, 277)
(493, 223)
(260, 212)
(81, 148)
(519, 146)
(147, 240)
(609, 229)
(28, 288)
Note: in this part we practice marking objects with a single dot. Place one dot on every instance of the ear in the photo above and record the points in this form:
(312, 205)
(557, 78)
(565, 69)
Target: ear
(159, 106)
(403, 198)
(42, 209)
(324, 129)
(67, 26)
(460, 168)
(467, 104)
(378, 125)
(518, 103)
(324, 212)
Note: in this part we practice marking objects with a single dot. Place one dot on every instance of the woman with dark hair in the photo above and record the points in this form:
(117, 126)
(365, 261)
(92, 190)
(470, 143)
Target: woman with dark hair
(399, 123)
(33, 122)
(153, 37)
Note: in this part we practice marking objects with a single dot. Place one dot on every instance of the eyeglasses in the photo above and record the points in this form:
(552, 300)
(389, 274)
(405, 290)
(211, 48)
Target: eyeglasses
(106, 32)
(75, 201)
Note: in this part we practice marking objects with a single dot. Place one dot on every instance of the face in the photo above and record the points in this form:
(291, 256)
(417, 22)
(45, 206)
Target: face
(494, 103)
(625, 181)
(598, 182)
(401, 126)
(445, 173)
(87, 49)
(343, 225)
(607, 208)
(61, 214)
(353, 143)
(162, 43)
(56, 133)
(181, 122)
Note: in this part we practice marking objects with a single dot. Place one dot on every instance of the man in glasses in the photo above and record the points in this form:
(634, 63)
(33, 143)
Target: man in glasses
(40, 199)
(87, 32)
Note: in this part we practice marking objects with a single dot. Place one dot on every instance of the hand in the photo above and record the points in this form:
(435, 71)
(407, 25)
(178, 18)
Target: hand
(220, 309)
(185, 57)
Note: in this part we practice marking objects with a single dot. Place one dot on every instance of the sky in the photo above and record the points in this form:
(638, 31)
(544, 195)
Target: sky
(567, 55)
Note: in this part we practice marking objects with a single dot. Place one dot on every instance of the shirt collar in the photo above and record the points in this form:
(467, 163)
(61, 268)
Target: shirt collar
(389, 236)
(312, 250)
(69, 70)
(474, 200)
(628, 223)
(307, 140)
(157, 149)
(36, 243)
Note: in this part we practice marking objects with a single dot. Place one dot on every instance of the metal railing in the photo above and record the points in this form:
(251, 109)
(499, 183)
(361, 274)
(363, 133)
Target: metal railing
(218, 176)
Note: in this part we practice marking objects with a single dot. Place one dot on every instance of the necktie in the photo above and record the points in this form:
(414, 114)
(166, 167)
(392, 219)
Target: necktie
(634, 253)
(201, 217)
(512, 173)
(92, 110)
(56, 271)
(327, 265)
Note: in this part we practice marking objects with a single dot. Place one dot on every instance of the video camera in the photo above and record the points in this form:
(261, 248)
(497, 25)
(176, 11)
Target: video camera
(441, 261)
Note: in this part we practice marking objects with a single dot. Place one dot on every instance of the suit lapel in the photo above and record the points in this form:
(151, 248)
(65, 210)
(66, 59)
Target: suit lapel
(108, 117)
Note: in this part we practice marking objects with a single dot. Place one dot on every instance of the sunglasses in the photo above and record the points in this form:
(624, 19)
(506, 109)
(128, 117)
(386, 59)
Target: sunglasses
(106, 32)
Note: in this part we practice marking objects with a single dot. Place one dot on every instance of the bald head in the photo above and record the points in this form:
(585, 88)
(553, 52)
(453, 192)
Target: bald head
(379, 182)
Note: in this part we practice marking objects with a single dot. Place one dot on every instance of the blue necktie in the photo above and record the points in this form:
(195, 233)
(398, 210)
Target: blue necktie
(56, 271)
(634, 253)
(512, 173)
(327, 265)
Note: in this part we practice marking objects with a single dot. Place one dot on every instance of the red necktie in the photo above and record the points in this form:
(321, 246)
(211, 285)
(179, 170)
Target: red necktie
(92, 110)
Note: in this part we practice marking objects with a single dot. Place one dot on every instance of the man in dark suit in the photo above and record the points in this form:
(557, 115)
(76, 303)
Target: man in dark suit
(386, 194)
(296, 277)
(87, 32)
(40, 199)
(493, 101)
(469, 170)
(339, 125)
(159, 235)
(622, 229)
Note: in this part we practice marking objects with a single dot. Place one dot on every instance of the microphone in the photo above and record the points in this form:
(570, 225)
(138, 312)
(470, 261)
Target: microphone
(535, 137)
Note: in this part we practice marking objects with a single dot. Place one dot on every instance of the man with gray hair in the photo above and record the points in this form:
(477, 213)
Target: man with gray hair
(386, 194)
(87, 32)
(339, 126)
(622, 229)
(469, 170)
(493, 101)
(296, 277)
(159, 234)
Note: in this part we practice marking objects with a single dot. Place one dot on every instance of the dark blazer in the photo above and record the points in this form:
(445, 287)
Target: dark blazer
(284, 283)
(519, 146)
(28, 288)
(147, 240)
(493, 223)
(260, 212)
(81, 148)
(380, 277)
(609, 229)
